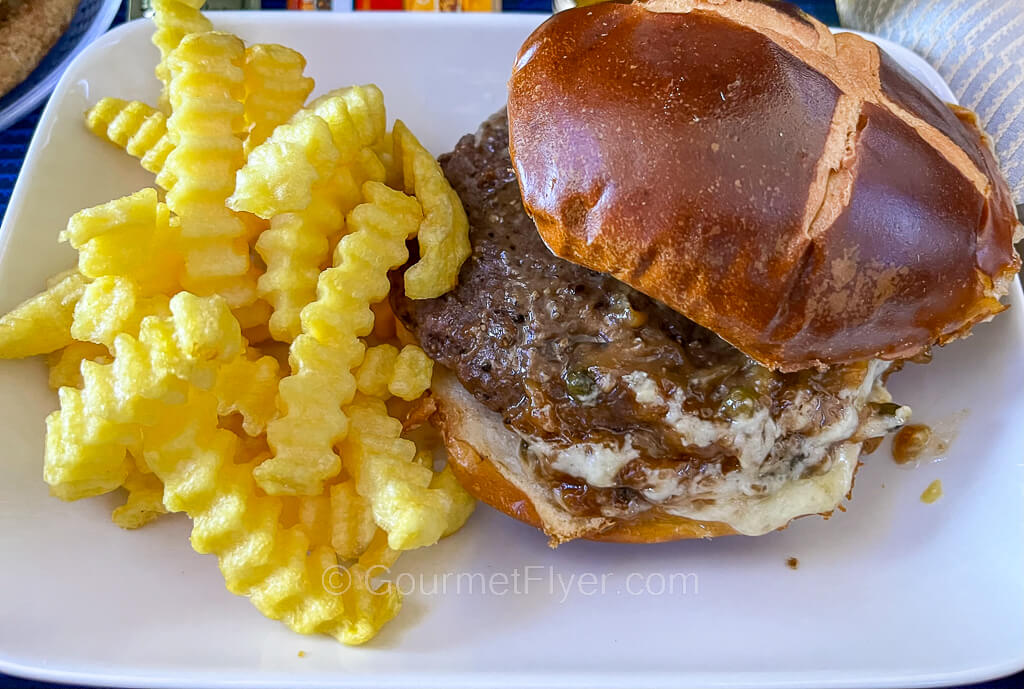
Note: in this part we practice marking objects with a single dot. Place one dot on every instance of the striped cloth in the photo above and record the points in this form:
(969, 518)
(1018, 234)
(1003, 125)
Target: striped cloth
(977, 46)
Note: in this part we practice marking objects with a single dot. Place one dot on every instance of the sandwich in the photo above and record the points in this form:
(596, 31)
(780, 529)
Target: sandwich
(704, 234)
(28, 30)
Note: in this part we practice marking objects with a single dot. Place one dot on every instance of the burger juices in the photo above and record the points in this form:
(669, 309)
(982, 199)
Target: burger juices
(703, 236)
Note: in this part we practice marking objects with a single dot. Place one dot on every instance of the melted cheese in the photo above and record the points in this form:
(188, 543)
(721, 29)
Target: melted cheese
(753, 516)
(774, 453)
(644, 389)
(594, 463)
(747, 514)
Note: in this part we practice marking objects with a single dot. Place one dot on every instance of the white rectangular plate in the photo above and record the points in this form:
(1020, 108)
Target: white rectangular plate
(891, 592)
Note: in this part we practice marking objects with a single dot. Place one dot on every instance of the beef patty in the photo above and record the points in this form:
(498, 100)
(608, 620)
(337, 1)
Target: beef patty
(621, 402)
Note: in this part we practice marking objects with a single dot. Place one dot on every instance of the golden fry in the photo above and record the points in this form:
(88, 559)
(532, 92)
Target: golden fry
(398, 489)
(144, 502)
(385, 150)
(310, 514)
(130, 237)
(463, 503)
(248, 386)
(295, 247)
(174, 19)
(85, 456)
(275, 567)
(385, 371)
(41, 324)
(88, 437)
(374, 375)
(66, 364)
(139, 129)
(279, 174)
(111, 306)
(205, 89)
(352, 525)
(160, 342)
(411, 375)
(444, 234)
(329, 348)
(274, 89)
(364, 106)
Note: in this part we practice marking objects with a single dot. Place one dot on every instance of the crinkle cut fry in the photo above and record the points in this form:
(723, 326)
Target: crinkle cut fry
(131, 237)
(386, 371)
(311, 514)
(279, 175)
(364, 107)
(111, 306)
(407, 503)
(340, 127)
(173, 20)
(444, 234)
(376, 370)
(274, 566)
(310, 420)
(352, 525)
(66, 364)
(145, 501)
(275, 89)
(247, 385)
(41, 324)
(139, 129)
(88, 438)
(206, 90)
(297, 245)
(293, 249)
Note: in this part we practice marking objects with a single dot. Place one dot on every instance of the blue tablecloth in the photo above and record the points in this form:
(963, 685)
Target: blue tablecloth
(14, 143)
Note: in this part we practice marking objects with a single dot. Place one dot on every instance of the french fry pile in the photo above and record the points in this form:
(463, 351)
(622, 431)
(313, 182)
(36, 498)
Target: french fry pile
(224, 347)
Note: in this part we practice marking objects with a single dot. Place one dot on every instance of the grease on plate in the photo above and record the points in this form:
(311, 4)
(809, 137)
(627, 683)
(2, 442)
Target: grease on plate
(917, 443)
(932, 493)
(909, 442)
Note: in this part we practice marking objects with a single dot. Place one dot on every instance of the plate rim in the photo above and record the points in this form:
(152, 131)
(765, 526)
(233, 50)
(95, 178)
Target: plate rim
(453, 680)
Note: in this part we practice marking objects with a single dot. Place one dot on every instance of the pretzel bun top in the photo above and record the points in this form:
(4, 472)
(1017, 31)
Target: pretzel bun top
(792, 190)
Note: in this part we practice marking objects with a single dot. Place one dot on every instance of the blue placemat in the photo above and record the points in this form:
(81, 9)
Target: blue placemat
(14, 143)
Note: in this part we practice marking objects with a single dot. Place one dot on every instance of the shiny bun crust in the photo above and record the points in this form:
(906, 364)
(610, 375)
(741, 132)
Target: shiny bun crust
(484, 456)
(796, 192)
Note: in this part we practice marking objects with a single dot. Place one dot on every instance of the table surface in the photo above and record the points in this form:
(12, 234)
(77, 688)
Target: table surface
(14, 143)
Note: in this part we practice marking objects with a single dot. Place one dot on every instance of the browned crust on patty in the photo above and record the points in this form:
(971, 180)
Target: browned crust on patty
(28, 30)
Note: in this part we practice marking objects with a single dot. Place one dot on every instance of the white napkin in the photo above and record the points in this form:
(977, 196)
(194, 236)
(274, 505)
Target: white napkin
(978, 48)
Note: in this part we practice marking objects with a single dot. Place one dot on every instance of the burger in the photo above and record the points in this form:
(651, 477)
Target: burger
(704, 234)
(28, 30)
